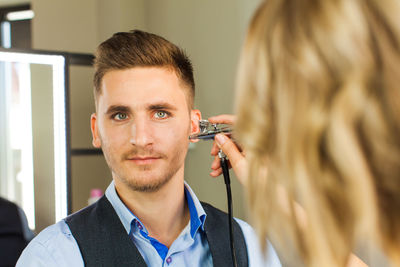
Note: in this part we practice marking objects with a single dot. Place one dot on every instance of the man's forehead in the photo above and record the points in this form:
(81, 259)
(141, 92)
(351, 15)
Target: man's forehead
(129, 107)
(141, 78)
(144, 86)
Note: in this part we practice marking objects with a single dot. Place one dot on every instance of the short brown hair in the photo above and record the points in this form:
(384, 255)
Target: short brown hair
(137, 48)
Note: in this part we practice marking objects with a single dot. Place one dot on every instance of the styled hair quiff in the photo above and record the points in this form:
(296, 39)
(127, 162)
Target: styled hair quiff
(318, 106)
(125, 50)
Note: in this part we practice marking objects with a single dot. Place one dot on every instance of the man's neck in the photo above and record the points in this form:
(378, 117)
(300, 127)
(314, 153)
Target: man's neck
(164, 213)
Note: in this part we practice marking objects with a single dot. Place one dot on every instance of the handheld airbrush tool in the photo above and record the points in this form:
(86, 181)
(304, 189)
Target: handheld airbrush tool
(207, 132)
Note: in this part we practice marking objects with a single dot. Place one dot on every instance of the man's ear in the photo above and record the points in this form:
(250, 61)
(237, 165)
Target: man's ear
(95, 131)
(195, 116)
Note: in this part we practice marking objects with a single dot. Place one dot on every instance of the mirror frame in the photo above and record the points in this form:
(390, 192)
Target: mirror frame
(60, 62)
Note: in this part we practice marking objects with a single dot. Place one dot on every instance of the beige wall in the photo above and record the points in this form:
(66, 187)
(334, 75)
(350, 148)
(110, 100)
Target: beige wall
(64, 25)
(120, 15)
(210, 31)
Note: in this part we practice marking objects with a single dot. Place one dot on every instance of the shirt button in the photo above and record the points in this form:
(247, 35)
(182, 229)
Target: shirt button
(169, 260)
(139, 226)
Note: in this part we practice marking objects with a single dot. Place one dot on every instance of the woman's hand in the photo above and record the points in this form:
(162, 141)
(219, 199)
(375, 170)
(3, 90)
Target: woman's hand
(234, 153)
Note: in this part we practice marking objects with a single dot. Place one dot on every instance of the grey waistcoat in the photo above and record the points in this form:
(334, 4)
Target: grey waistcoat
(103, 241)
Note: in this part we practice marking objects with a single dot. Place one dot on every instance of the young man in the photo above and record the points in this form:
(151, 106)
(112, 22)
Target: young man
(144, 91)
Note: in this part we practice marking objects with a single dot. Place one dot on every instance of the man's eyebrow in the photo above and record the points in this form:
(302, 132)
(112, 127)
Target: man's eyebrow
(161, 105)
(117, 108)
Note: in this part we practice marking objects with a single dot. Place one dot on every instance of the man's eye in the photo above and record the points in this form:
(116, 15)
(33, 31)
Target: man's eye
(161, 114)
(120, 116)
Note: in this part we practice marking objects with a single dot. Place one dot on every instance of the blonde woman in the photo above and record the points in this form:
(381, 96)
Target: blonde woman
(318, 106)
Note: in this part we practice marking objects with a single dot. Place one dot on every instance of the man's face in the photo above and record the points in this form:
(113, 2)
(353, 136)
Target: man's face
(142, 125)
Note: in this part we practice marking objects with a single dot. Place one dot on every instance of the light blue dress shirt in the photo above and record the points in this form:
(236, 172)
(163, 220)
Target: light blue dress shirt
(55, 245)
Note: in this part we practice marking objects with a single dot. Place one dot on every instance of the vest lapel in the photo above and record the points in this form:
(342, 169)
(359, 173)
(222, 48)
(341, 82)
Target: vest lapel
(217, 232)
(101, 237)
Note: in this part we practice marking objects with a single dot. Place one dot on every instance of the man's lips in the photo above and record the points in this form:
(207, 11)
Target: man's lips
(144, 160)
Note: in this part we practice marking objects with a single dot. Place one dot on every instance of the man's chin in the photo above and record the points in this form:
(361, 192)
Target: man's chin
(146, 186)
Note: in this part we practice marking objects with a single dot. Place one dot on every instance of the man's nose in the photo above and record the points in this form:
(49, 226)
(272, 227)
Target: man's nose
(141, 134)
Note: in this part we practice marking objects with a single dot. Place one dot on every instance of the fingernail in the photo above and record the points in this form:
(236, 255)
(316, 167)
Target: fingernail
(221, 139)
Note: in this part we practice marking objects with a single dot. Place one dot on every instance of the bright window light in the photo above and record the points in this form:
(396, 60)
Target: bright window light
(5, 34)
(20, 15)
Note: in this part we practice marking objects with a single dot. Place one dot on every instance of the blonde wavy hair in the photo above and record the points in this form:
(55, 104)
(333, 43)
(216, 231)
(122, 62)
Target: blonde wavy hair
(318, 104)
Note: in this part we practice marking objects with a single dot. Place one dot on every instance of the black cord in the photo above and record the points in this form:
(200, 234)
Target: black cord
(225, 171)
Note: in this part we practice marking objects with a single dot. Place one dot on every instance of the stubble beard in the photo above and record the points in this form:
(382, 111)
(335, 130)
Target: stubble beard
(145, 183)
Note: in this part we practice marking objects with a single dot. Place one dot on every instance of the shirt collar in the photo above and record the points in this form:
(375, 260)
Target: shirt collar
(197, 213)
(125, 216)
